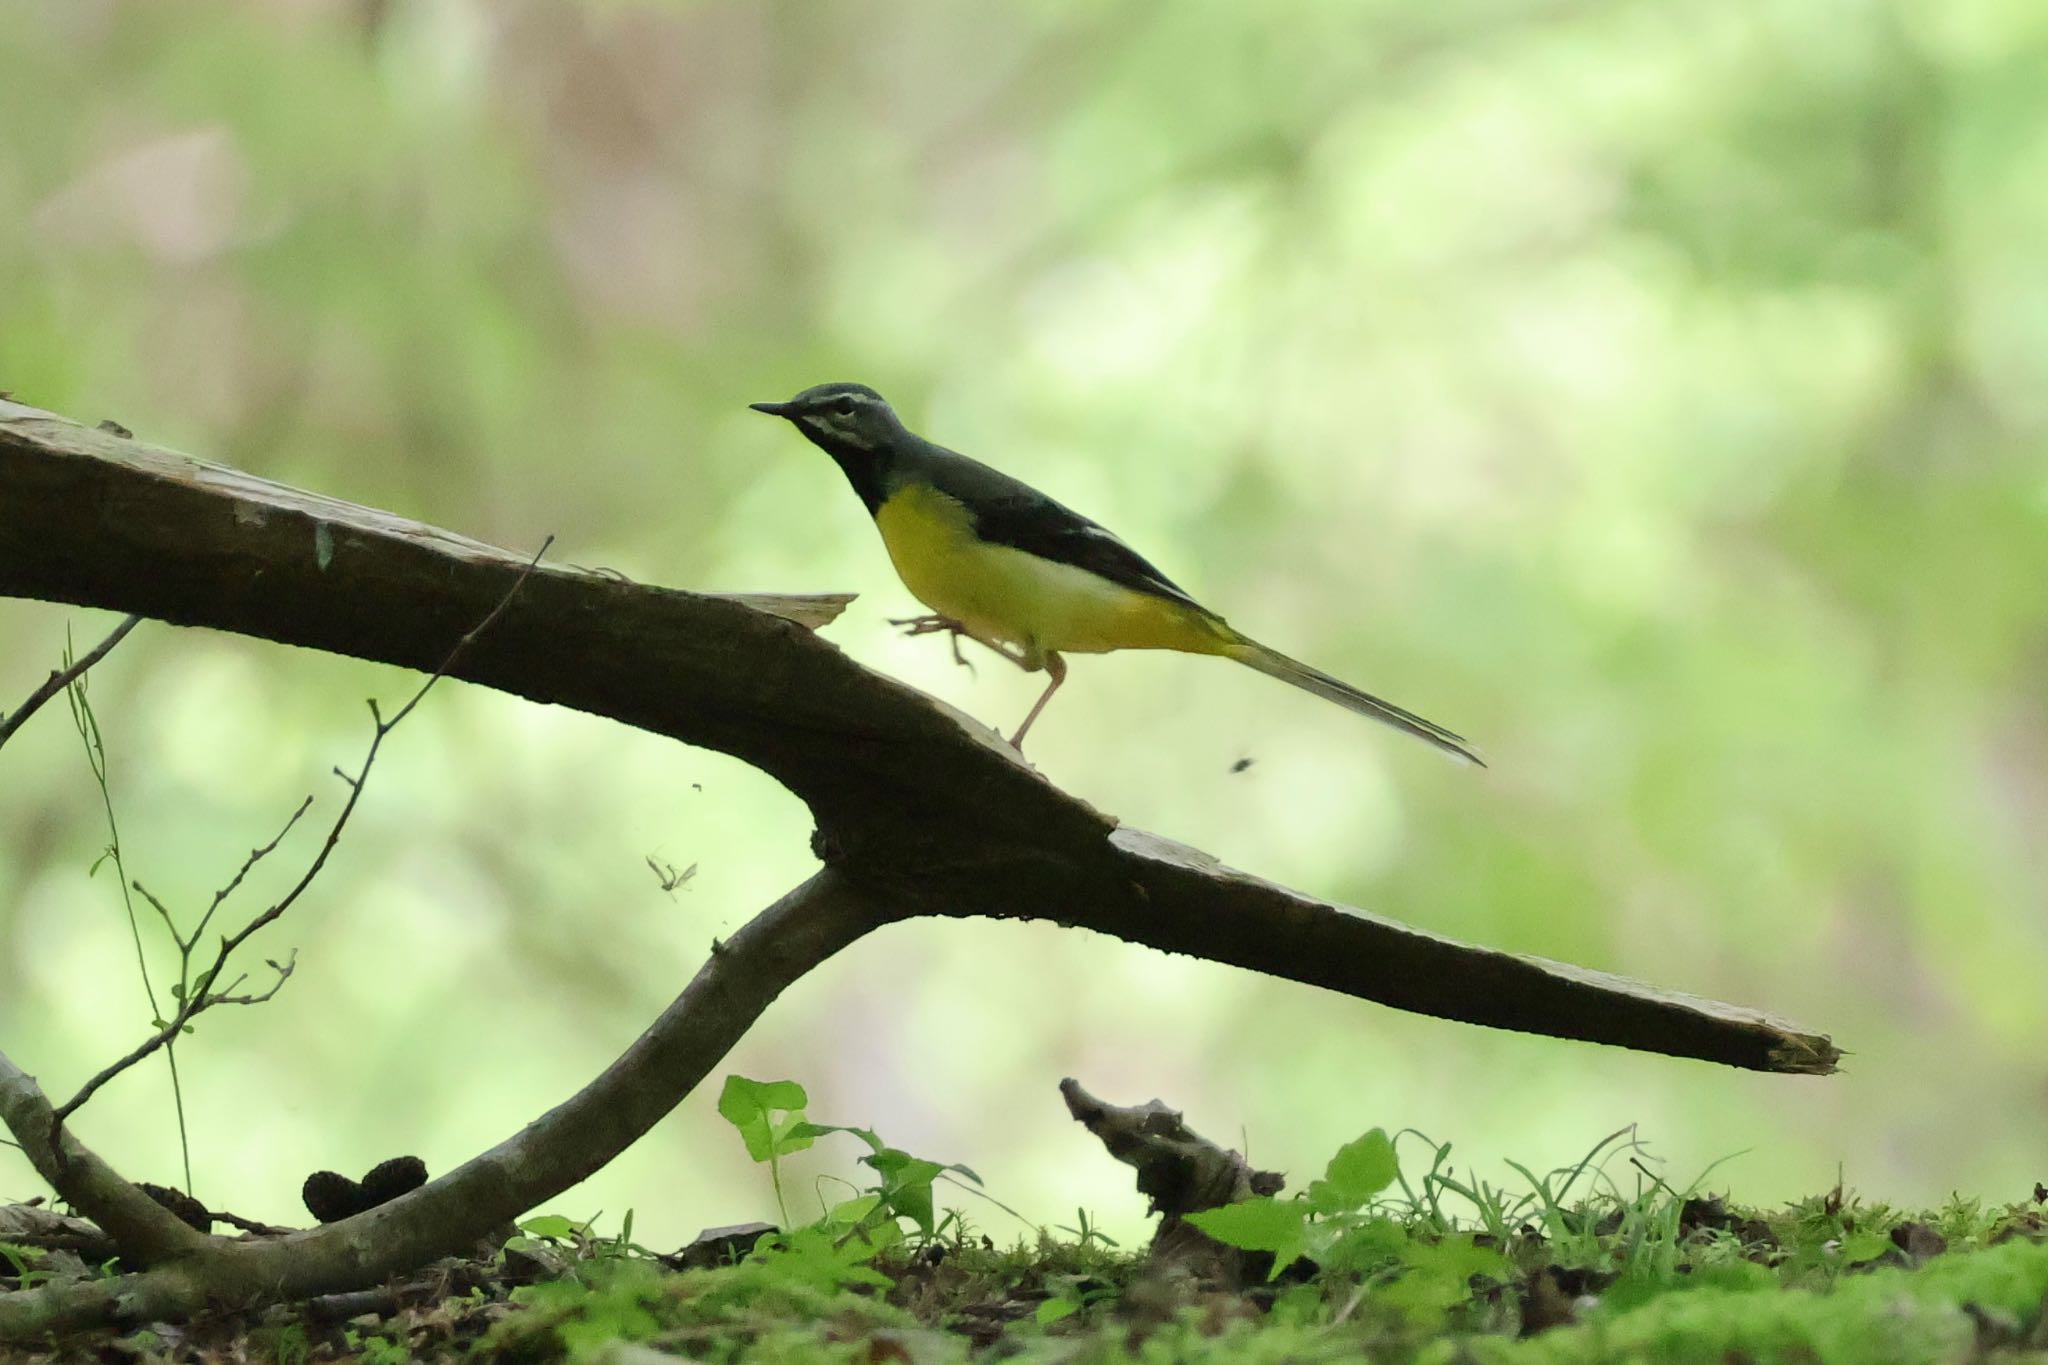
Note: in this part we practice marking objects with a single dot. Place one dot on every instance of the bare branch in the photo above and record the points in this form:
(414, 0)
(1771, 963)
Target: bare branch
(256, 855)
(446, 1216)
(144, 1230)
(45, 1229)
(200, 996)
(284, 972)
(910, 797)
(919, 812)
(163, 911)
(63, 678)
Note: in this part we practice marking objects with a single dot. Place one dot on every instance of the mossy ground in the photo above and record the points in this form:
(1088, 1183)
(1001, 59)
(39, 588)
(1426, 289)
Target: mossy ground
(1658, 1277)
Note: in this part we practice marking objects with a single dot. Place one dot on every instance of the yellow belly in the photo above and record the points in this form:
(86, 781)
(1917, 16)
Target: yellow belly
(1003, 594)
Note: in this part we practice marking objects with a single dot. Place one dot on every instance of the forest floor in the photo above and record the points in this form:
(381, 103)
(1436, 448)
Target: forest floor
(1596, 1262)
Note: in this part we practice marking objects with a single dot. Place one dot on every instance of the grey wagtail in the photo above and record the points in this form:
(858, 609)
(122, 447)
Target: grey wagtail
(1003, 564)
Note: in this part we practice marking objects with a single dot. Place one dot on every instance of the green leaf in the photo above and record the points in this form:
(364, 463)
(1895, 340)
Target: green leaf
(901, 1168)
(1360, 1170)
(753, 1108)
(808, 1256)
(1439, 1276)
(21, 1258)
(852, 1212)
(1299, 1304)
(867, 1135)
(880, 1238)
(907, 1184)
(617, 1305)
(552, 1225)
(1052, 1310)
(1364, 1246)
(1867, 1245)
(1263, 1224)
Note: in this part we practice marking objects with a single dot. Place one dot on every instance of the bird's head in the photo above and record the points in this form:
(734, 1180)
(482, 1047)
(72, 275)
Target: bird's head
(840, 417)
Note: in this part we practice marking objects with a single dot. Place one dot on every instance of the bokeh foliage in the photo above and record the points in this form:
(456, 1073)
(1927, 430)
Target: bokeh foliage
(1655, 393)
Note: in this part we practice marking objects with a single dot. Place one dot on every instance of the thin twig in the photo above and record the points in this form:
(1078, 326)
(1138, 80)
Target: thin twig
(157, 905)
(256, 855)
(88, 726)
(250, 1225)
(62, 679)
(144, 1230)
(284, 971)
(202, 997)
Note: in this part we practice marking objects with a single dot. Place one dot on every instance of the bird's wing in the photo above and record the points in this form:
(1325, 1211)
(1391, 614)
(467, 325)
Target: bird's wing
(1010, 512)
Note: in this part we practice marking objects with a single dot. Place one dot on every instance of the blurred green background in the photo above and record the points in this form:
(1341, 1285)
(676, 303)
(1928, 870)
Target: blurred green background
(1655, 393)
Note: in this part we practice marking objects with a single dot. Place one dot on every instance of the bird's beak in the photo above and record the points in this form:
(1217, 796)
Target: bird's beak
(775, 409)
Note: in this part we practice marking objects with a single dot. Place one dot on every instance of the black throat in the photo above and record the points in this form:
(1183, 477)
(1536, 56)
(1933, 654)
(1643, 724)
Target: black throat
(865, 469)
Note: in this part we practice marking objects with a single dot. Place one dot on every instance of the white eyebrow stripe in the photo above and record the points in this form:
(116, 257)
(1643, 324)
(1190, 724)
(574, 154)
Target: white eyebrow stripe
(844, 428)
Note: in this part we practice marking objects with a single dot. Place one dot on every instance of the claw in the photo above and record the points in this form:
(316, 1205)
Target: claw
(927, 625)
(934, 624)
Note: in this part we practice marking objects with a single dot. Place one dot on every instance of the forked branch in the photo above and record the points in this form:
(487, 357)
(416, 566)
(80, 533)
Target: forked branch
(919, 812)
(62, 678)
(926, 807)
(202, 995)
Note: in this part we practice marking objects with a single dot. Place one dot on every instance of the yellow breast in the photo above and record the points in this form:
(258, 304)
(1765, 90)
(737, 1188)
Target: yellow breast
(1005, 594)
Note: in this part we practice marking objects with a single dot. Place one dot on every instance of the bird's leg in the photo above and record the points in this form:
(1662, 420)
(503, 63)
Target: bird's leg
(1015, 656)
(927, 625)
(933, 624)
(1056, 669)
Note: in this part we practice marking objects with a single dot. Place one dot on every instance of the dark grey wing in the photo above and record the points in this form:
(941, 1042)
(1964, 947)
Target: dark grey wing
(1010, 512)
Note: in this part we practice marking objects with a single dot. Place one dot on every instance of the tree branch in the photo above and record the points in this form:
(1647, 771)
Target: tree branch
(920, 812)
(62, 678)
(202, 995)
(925, 806)
(448, 1215)
(145, 1231)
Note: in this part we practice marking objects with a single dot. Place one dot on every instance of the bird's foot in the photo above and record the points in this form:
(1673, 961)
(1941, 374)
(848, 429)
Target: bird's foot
(932, 625)
(928, 625)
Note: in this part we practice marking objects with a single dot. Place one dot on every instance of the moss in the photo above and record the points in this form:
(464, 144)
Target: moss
(1941, 1312)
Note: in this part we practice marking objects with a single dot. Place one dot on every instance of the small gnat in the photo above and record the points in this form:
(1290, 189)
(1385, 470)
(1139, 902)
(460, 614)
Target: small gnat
(323, 544)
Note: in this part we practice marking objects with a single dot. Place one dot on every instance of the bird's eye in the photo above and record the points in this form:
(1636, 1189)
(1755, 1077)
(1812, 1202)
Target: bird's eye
(843, 408)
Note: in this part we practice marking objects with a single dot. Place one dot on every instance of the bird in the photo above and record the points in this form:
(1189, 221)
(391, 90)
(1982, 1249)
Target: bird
(1010, 568)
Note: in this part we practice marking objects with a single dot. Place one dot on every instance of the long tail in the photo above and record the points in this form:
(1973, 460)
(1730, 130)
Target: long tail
(1274, 664)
